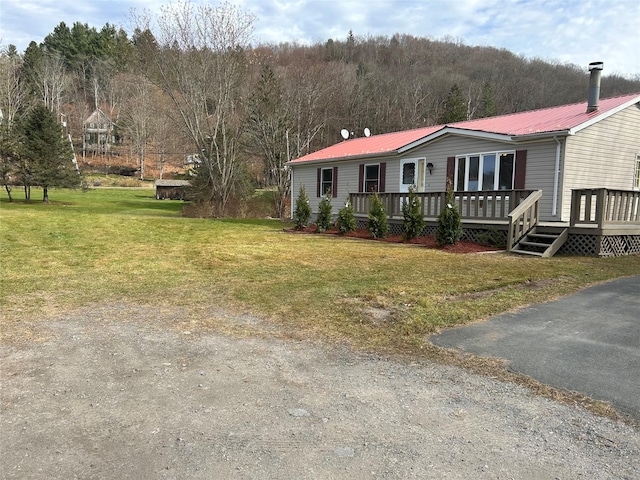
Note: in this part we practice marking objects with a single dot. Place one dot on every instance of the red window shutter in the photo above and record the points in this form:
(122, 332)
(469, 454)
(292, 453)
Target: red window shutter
(334, 183)
(318, 193)
(451, 172)
(361, 178)
(383, 177)
(520, 170)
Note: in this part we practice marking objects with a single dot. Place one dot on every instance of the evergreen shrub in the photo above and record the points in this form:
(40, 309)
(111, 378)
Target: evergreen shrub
(377, 224)
(324, 214)
(449, 228)
(302, 213)
(413, 220)
(346, 221)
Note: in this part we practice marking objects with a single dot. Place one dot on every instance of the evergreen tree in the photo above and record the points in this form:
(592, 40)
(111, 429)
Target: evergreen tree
(302, 213)
(324, 213)
(31, 65)
(346, 220)
(8, 157)
(413, 220)
(449, 228)
(46, 154)
(377, 224)
(487, 106)
(455, 107)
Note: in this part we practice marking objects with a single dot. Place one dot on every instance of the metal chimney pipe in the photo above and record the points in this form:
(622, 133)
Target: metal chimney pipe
(594, 86)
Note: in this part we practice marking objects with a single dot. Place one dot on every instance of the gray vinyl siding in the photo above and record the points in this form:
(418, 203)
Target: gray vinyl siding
(438, 151)
(541, 161)
(539, 172)
(348, 177)
(599, 156)
(541, 158)
(603, 155)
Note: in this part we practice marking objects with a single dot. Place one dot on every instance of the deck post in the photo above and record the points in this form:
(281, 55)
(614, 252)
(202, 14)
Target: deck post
(601, 194)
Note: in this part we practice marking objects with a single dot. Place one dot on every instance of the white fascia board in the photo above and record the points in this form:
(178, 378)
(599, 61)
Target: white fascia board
(604, 115)
(341, 159)
(541, 135)
(456, 131)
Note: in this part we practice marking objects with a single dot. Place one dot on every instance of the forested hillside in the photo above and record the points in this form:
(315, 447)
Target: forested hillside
(241, 110)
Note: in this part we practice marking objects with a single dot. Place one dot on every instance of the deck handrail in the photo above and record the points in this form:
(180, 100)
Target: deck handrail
(603, 206)
(489, 205)
(523, 218)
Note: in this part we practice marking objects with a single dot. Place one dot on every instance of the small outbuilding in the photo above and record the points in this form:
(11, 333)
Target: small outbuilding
(171, 189)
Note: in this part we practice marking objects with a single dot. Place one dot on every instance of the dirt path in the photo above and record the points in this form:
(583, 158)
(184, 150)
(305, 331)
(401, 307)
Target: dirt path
(113, 393)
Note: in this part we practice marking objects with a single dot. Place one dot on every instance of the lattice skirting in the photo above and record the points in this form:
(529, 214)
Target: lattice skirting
(478, 235)
(615, 246)
(583, 245)
(576, 244)
(601, 245)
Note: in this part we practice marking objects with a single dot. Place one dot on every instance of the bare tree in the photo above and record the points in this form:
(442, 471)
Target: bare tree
(52, 80)
(270, 124)
(13, 97)
(311, 90)
(136, 116)
(13, 93)
(201, 64)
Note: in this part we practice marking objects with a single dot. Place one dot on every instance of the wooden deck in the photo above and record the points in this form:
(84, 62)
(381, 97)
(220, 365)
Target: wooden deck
(604, 222)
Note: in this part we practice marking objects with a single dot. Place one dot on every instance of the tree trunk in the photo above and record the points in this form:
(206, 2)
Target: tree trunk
(27, 193)
(45, 195)
(8, 189)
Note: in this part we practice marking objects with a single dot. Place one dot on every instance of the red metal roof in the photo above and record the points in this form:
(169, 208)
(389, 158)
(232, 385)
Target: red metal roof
(535, 122)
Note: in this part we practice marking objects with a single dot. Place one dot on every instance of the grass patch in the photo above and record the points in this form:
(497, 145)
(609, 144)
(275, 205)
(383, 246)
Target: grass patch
(123, 245)
(104, 244)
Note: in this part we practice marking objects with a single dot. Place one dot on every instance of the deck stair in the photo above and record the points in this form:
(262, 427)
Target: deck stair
(541, 244)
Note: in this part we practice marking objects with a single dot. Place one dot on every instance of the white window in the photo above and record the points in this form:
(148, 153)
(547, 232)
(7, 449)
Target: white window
(409, 174)
(326, 181)
(636, 175)
(485, 171)
(371, 178)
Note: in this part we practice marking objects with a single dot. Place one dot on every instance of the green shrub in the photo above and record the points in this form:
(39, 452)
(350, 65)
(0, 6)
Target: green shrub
(449, 228)
(413, 220)
(302, 213)
(377, 224)
(324, 214)
(491, 237)
(346, 221)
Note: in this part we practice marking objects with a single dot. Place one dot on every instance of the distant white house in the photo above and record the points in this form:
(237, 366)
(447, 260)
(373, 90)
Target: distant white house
(98, 133)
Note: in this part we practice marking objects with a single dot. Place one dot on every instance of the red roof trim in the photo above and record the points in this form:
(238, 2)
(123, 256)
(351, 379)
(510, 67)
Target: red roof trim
(564, 119)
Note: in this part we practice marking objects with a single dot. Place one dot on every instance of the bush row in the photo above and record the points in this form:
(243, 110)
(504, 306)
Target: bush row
(448, 232)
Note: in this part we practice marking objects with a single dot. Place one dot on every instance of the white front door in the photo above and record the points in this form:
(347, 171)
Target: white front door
(412, 173)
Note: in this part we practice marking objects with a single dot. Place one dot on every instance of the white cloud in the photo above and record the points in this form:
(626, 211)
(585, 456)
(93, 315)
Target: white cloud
(567, 31)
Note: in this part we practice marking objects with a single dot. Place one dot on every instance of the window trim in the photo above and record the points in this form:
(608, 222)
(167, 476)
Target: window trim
(323, 191)
(420, 173)
(636, 173)
(364, 179)
(481, 158)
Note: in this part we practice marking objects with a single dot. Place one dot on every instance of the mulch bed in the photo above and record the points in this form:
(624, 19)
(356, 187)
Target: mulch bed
(427, 241)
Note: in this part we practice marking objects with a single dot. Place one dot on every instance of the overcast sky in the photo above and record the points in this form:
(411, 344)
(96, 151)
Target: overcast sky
(565, 31)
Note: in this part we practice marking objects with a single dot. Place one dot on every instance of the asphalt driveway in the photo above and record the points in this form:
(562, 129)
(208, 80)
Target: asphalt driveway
(587, 342)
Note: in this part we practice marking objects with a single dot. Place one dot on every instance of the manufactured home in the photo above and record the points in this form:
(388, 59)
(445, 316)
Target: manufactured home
(565, 178)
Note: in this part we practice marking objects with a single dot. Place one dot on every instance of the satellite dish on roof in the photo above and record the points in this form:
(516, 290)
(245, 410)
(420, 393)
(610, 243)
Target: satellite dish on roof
(345, 133)
(367, 132)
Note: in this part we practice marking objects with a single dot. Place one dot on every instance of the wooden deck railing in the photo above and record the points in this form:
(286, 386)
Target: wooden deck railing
(523, 218)
(601, 206)
(487, 205)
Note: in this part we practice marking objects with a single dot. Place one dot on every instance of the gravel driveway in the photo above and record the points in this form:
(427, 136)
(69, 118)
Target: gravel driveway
(114, 392)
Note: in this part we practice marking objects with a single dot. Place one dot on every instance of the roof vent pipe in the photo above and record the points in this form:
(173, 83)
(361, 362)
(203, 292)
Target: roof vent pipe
(594, 86)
